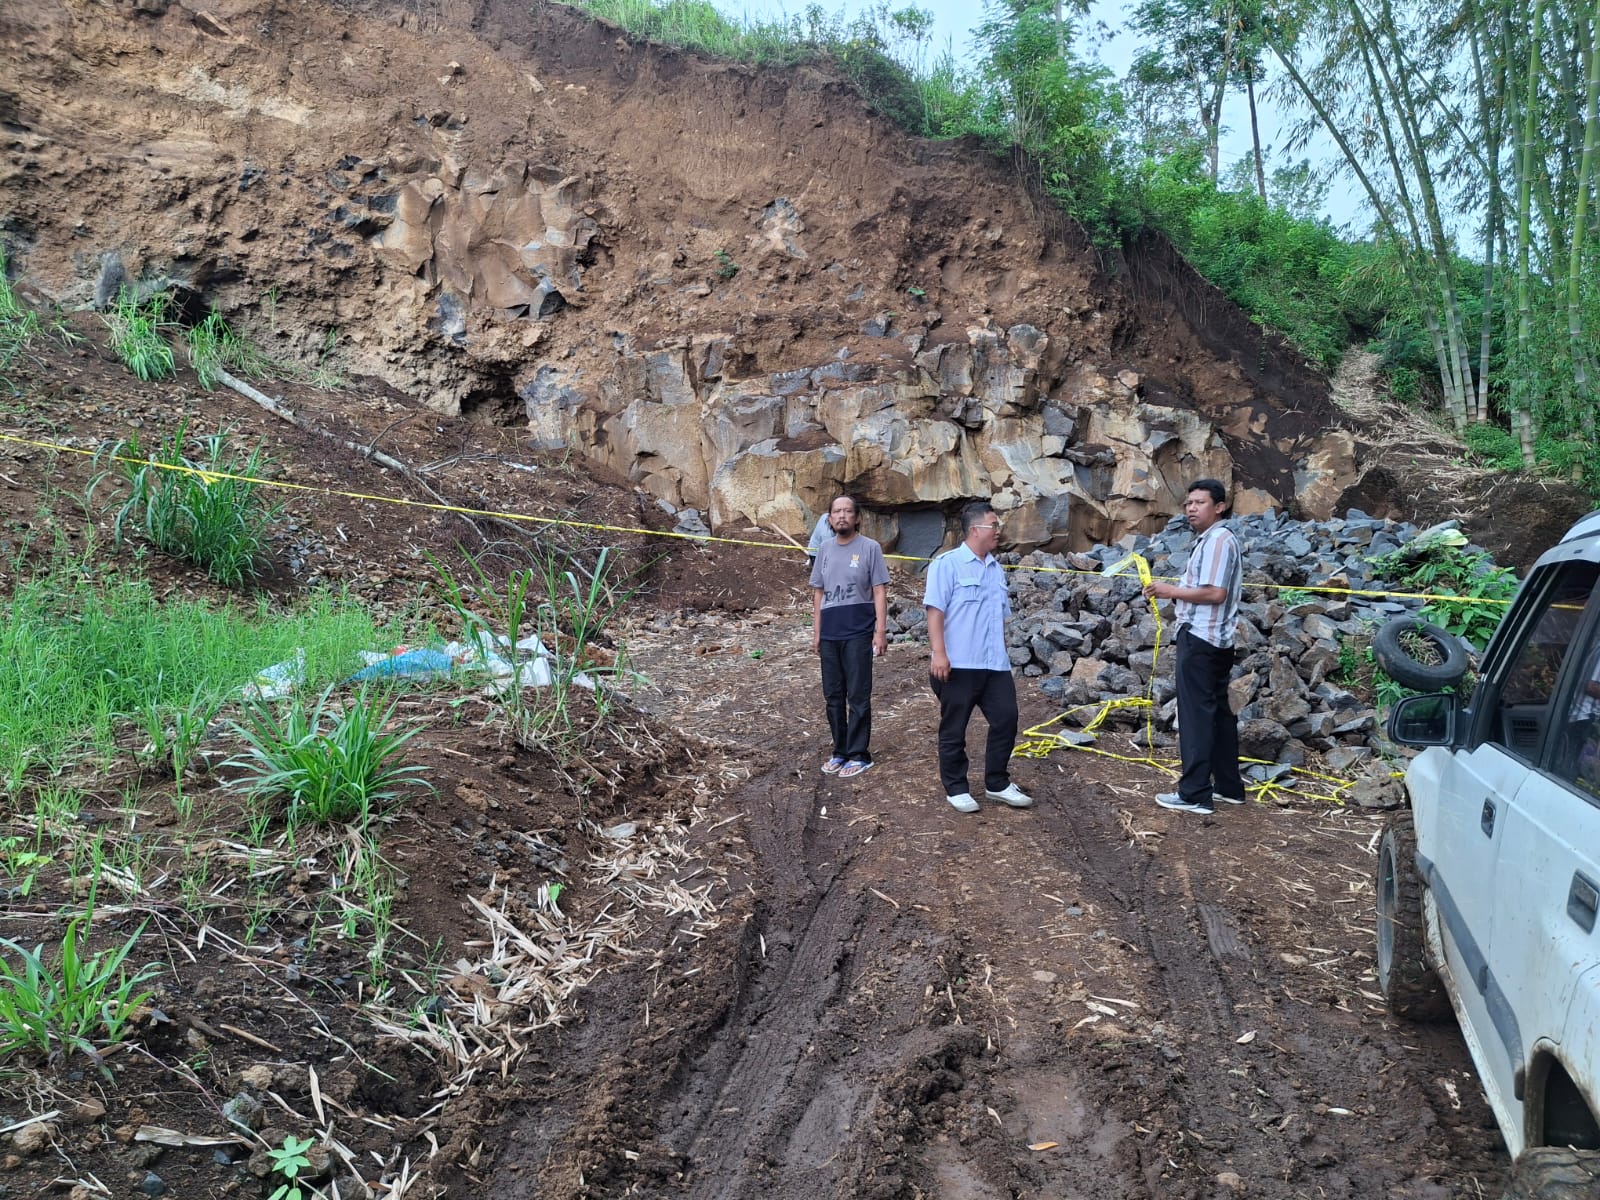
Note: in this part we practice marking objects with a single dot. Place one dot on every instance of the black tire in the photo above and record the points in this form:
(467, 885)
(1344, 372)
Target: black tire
(1409, 985)
(1418, 655)
(1555, 1173)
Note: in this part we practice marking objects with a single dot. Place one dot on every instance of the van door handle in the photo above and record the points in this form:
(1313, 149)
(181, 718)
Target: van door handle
(1582, 901)
(1487, 819)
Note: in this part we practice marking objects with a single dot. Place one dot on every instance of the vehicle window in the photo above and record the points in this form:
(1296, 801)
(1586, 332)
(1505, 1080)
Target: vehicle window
(1524, 704)
(1575, 754)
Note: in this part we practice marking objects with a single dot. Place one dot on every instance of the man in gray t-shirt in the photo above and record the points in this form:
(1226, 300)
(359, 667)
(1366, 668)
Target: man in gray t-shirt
(850, 622)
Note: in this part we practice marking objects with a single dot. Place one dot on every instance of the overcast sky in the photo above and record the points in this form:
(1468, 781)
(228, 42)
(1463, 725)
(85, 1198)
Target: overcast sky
(1106, 39)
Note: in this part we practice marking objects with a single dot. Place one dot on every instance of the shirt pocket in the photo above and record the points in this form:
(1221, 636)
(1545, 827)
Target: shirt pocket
(967, 592)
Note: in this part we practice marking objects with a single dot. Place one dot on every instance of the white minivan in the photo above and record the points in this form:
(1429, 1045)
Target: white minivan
(1488, 886)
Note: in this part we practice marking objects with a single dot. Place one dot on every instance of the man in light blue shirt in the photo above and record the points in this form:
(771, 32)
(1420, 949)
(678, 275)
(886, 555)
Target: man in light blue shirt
(967, 604)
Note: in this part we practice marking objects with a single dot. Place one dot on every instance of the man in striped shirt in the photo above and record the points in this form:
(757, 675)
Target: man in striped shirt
(1207, 613)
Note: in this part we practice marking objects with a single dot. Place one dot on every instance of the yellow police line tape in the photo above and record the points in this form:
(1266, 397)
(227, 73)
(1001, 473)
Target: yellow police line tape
(210, 477)
(1036, 744)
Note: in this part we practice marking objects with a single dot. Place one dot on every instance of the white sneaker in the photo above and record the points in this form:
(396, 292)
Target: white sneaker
(1219, 798)
(963, 802)
(1178, 804)
(1013, 795)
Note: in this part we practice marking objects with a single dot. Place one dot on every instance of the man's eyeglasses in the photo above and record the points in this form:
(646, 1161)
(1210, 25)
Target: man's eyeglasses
(988, 528)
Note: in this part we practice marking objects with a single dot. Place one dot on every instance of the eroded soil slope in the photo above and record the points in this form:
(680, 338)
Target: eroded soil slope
(494, 207)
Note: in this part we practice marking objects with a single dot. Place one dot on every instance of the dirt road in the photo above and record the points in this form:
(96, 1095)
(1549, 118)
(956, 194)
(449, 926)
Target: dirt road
(1094, 998)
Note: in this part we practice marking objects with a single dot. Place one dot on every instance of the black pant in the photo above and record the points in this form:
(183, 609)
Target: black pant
(1208, 732)
(847, 687)
(995, 694)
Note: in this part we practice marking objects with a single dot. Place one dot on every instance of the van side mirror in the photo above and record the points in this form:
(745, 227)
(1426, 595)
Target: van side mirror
(1424, 720)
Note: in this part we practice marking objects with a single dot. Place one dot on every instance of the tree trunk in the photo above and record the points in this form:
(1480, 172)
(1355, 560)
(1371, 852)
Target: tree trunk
(1255, 129)
(1580, 214)
(1523, 393)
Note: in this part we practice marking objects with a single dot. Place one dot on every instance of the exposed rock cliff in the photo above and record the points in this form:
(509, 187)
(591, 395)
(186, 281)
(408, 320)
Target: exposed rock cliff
(738, 288)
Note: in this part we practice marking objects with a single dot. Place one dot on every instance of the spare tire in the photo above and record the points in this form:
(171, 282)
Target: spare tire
(1418, 655)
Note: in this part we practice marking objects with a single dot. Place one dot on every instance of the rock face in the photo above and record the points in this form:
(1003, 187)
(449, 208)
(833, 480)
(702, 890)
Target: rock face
(1065, 460)
(738, 288)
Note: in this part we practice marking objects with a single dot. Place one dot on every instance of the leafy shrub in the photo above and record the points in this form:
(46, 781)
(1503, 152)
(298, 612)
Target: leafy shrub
(77, 1004)
(207, 510)
(1287, 272)
(1496, 446)
(1441, 567)
(330, 765)
(138, 335)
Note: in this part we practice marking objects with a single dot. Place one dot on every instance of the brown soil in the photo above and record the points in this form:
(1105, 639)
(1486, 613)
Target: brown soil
(865, 994)
(250, 155)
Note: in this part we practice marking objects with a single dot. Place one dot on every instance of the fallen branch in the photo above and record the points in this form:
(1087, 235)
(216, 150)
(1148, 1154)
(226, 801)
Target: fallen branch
(282, 411)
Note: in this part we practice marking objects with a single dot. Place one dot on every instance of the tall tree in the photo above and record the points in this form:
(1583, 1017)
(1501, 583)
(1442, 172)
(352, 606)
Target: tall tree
(1194, 50)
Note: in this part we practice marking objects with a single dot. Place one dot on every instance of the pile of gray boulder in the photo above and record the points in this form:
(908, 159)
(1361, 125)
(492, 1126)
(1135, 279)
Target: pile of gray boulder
(1089, 639)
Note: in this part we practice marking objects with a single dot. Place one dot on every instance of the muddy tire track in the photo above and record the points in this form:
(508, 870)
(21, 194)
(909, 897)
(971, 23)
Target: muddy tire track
(1091, 999)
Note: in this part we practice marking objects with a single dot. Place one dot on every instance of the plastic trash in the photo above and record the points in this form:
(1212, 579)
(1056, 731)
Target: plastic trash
(422, 663)
(278, 680)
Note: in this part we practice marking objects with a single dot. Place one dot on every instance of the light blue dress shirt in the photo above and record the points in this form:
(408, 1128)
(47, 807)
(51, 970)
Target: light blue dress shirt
(972, 594)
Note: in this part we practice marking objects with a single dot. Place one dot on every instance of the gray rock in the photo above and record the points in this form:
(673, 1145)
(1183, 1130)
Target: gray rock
(1262, 738)
(245, 1111)
(1342, 758)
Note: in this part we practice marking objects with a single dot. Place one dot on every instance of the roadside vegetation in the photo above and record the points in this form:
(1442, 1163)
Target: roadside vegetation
(170, 760)
(1472, 269)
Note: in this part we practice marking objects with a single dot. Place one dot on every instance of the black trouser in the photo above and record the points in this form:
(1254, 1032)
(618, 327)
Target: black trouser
(1208, 732)
(847, 687)
(994, 693)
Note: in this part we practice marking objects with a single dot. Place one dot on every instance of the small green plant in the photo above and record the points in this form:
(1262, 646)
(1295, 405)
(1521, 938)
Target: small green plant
(208, 509)
(214, 347)
(324, 373)
(726, 267)
(78, 1004)
(18, 323)
(330, 765)
(288, 1160)
(1290, 597)
(569, 609)
(21, 862)
(138, 335)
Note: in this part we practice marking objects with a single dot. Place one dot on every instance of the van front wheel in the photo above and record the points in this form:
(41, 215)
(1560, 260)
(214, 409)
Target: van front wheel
(1555, 1173)
(1409, 985)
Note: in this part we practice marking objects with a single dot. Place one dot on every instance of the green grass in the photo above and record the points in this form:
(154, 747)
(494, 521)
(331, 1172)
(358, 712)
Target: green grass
(139, 335)
(74, 1003)
(19, 324)
(86, 653)
(203, 508)
(331, 765)
(699, 26)
(215, 347)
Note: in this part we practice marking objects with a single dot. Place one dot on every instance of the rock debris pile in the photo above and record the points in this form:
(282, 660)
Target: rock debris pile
(1089, 639)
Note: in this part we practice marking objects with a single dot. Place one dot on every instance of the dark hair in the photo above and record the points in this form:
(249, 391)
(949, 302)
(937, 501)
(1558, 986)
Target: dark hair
(973, 513)
(1218, 493)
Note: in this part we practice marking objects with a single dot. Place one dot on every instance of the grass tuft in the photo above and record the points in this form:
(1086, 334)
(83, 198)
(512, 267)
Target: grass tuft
(331, 765)
(206, 510)
(74, 1005)
(138, 335)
